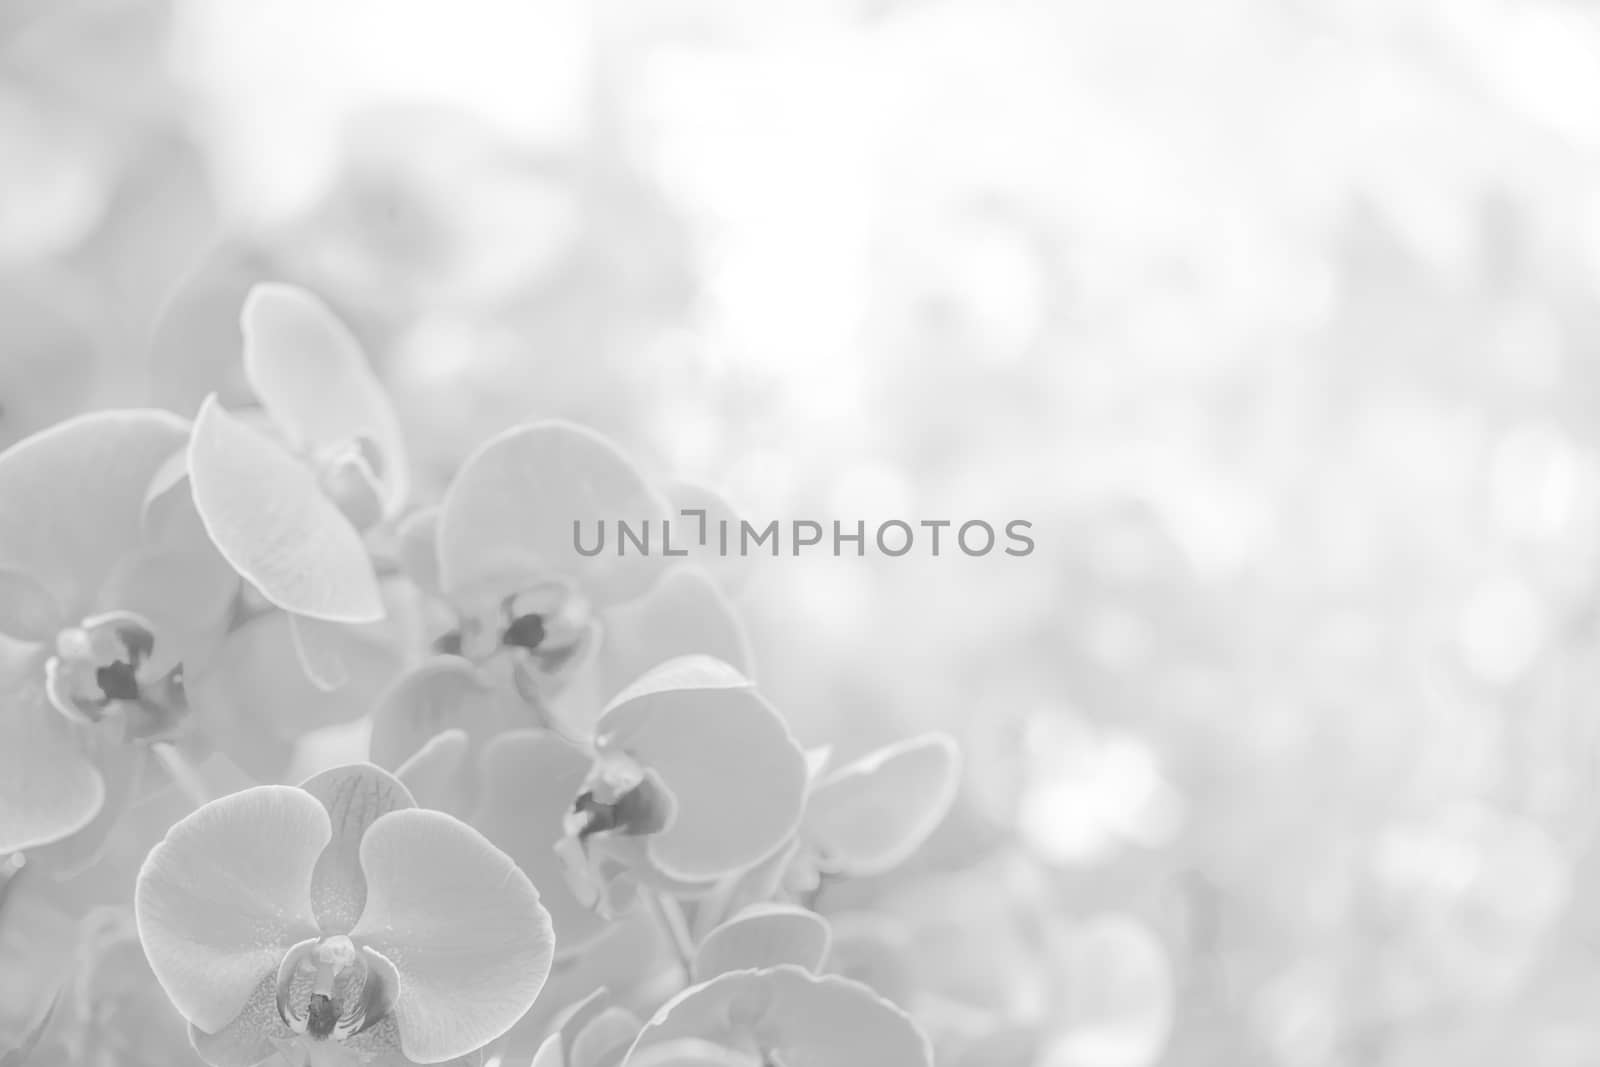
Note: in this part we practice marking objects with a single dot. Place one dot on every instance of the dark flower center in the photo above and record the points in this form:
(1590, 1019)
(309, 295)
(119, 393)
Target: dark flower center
(526, 631)
(328, 988)
(635, 813)
(106, 668)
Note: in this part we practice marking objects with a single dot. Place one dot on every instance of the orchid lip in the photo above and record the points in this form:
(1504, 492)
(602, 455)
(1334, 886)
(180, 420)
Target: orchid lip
(106, 668)
(330, 988)
(546, 627)
(620, 796)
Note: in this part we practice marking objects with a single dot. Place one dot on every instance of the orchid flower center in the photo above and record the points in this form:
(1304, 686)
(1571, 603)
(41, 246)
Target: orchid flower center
(107, 669)
(330, 988)
(619, 797)
(545, 628)
(620, 804)
(351, 475)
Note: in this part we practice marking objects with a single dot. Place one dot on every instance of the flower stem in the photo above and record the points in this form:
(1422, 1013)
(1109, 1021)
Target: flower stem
(670, 912)
(182, 772)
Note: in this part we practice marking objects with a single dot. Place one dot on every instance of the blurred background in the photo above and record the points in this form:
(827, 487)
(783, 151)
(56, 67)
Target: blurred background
(1278, 319)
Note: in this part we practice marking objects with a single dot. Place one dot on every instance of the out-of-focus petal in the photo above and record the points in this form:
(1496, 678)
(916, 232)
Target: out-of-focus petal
(379, 1046)
(49, 788)
(271, 521)
(195, 344)
(797, 1016)
(736, 773)
(554, 1050)
(766, 935)
(874, 949)
(27, 610)
(316, 647)
(122, 770)
(691, 1052)
(550, 1054)
(257, 674)
(604, 1039)
(74, 495)
(871, 815)
(530, 779)
(433, 773)
(309, 372)
(702, 536)
(442, 693)
(460, 922)
(510, 513)
(225, 895)
(247, 1040)
(355, 796)
(177, 580)
(685, 614)
(754, 885)
(418, 548)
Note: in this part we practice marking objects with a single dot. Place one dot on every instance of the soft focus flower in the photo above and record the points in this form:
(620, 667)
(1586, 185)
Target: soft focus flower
(593, 1031)
(340, 918)
(107, 589)
(289, 493)
(287, 502)
(862, 819)
(691, 777)
(784, 1015)
(541, 635)
(111, 1012)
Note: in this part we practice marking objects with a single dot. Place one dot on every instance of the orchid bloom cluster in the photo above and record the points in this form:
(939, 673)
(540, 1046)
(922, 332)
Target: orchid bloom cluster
(582, 837)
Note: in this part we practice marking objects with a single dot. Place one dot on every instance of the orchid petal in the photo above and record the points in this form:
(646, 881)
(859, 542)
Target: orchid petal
(691, 1052)
(122, 770)
(312, 377)
(226, 893)
(273, 524)
(550, 1054)
(685, 614)
(554, 1050)
(702, 536)
(875, 949)
(417, 539)
(530, 779)
(256, 674)
(178, 583)
(49, 788)
(736, 773)
(27, 610)
(871, 815)
(512, 510)
(247, 1039)
(763, 936)
(100, 464)
(797, 1017)
(315, 648)
(752, 886)
(603, 1040)
(379, 1046)
(446, 692)
(432, 774)
(195, 345)
(355, 796)
(462, 925)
